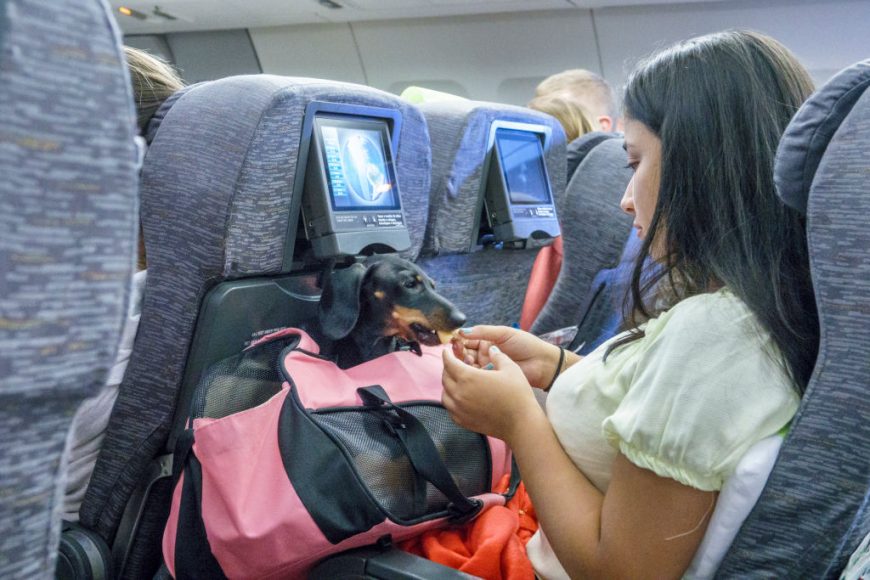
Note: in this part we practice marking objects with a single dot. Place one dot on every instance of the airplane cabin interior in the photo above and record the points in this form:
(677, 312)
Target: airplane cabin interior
(328, 289)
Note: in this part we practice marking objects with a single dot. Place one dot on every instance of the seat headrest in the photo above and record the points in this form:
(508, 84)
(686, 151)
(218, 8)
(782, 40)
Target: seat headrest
(459, 132)
(807, 136)
(801, 525)
(157, 118)
(577, 150)
(226, 152)
(593, 218)
(69, 164)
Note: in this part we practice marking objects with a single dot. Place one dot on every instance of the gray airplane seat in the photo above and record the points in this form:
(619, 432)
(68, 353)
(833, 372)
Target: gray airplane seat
(596, 256)
(221, 196)
(813, 511)
(606, 305)
(68, 218)
(487, 280)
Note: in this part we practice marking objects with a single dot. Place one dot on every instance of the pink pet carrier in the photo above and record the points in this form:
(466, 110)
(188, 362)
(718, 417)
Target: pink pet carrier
(335, 460)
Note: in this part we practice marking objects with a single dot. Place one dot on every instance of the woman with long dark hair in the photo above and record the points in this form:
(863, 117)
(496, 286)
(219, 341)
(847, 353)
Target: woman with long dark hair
(639, 436)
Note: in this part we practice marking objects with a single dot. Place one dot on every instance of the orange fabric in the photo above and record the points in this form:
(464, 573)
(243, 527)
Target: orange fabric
(545, 270)
(493, 546)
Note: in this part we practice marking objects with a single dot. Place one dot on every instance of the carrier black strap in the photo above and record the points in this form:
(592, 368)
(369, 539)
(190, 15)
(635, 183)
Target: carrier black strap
(421, 450)
(194, 559)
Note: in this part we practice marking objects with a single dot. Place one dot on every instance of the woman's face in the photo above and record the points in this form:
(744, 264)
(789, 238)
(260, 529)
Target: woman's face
(644, 151)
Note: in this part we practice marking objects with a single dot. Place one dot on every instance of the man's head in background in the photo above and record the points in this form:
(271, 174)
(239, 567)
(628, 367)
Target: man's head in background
(573, 117)
(586, 90)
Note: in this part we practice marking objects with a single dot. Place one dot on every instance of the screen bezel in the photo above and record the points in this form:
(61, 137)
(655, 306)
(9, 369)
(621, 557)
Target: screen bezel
(535, 137)
(307, 149)
(365, 123)
(483, 211)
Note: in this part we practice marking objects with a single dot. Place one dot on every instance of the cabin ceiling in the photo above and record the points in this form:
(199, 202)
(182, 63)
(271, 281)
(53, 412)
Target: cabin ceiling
(225, 14)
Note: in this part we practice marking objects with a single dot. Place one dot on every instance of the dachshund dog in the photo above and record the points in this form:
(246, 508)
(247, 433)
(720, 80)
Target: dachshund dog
(370, 308)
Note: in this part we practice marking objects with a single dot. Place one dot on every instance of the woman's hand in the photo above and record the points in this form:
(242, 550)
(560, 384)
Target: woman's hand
(537, 359)
(494, 402)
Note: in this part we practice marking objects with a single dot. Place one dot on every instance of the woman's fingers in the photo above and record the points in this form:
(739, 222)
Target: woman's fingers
(483, 357)
(470, 351)
(453, 367)
(500, 360)
(497, 334)
(459, 349)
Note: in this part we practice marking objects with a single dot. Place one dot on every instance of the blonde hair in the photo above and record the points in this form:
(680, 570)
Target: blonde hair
(585, 88)
(573, 117)
(154, 80)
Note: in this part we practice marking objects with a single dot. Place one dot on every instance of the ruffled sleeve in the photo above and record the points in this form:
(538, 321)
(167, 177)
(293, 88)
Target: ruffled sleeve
(707, 385)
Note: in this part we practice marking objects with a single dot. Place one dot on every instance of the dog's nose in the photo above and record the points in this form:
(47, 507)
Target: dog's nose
(457, 318)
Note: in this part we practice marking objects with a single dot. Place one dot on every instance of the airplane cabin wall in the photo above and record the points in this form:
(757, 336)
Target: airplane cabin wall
(826, 36)
(203, 56)
(309, 50)
(501, 57)
(494, 57)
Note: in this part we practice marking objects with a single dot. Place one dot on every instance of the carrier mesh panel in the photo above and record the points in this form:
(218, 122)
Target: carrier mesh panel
(240, 382)
(386, 470)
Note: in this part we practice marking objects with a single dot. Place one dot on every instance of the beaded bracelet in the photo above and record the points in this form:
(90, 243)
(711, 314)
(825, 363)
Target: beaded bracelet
(558, 368)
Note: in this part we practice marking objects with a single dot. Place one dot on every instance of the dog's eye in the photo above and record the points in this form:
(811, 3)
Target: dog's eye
(410, 283)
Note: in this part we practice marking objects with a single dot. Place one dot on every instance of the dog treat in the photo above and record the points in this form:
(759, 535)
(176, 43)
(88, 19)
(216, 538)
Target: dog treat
(446, 336)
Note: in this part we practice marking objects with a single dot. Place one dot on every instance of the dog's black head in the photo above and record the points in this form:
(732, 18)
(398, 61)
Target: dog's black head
(385, 297)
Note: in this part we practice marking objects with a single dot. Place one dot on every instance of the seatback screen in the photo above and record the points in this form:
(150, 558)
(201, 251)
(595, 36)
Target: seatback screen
(359, 164)
(522, 160)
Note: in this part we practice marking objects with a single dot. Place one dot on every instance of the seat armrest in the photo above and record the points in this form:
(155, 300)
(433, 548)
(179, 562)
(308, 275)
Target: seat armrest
(82, 555)
(388, 563)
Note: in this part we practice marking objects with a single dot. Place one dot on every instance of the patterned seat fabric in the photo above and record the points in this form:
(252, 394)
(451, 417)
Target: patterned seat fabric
(594, 234)
(67, 248)
(814, 511)
(216, 194)
(488, 285)
(605, 309)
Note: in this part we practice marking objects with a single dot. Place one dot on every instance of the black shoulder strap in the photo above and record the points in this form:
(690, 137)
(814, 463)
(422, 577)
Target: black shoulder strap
(421, 451)
(193, 556)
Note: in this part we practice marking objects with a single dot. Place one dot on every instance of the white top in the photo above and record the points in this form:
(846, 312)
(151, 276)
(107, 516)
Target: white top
(686, 401)
(92, 418)
(859, 563)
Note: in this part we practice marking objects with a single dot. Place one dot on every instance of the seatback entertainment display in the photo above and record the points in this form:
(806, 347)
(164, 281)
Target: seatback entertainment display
(351, 200)
(522, 161)
(360, 170)
(518, 201)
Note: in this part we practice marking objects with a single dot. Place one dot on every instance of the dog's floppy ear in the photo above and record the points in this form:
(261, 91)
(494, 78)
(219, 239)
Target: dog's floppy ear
(340, 301)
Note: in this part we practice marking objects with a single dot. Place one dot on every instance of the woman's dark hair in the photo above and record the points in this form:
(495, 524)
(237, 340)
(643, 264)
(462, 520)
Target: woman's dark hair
(720, 103)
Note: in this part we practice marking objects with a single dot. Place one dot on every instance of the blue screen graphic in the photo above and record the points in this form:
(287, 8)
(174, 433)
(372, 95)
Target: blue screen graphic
(358, 166)
(522, 160)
